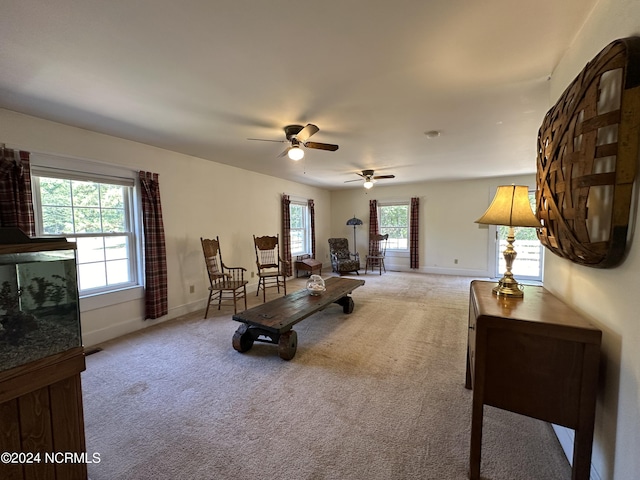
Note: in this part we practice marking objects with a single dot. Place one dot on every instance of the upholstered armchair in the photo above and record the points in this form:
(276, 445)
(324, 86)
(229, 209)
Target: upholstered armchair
(342, 260)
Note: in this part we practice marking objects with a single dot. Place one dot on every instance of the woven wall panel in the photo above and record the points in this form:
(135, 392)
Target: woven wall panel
(587, 159)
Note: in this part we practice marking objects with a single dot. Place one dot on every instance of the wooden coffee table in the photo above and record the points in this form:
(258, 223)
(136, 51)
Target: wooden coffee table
(272, 322)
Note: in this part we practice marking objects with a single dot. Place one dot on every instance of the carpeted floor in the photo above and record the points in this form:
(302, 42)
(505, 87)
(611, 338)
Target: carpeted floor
(378, 394)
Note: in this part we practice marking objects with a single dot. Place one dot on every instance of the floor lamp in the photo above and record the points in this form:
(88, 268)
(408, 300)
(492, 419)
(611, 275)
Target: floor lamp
(354, 221)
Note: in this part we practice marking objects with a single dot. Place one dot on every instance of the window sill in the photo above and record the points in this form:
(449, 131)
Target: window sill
(397, 253)
(101, 300)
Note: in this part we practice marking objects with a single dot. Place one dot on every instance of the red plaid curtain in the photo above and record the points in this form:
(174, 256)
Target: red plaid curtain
(286, 234)
(414, 229)
(312, 215)
(16, 204)
(155, 255)
(373, 226)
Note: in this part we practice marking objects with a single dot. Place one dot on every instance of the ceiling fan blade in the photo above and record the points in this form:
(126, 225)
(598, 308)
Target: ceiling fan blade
(306, 132)
(378, 177)
(283, 154)
(321, 146)
(349, 181)
(265, 140)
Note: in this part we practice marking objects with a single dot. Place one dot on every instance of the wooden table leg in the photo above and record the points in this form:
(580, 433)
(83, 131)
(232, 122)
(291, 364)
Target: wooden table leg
(476, 441)
(583, 440)
(582, 444)
(288, 344)
(467, 379)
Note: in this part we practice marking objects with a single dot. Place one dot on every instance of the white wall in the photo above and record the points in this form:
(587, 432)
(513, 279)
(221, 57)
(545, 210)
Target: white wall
(199, 198)
(609, 297)
(448, 211)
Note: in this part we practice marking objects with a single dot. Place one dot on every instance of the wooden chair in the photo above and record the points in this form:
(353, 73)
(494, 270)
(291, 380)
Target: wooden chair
(225, 283)
(378, 249)
(342, 260)
(271, 268)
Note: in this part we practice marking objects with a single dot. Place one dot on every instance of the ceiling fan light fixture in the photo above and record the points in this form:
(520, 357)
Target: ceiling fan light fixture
(370, 178)
(295, 153)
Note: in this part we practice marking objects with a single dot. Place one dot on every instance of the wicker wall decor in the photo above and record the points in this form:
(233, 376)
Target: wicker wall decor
(587, 159)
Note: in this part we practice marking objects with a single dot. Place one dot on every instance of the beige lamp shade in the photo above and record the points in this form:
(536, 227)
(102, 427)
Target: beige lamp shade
(510, 207)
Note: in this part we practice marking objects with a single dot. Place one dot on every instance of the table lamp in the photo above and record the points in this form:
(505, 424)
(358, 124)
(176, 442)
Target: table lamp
(510, 207)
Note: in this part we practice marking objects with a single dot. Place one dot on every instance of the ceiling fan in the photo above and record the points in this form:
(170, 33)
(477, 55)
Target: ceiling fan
(298, 136)
(370, 178)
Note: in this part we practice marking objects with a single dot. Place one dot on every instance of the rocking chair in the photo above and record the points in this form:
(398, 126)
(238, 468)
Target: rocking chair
(342, 260)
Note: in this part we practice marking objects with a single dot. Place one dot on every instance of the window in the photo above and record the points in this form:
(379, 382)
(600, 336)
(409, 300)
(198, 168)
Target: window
(300, 228)
(96, 212)
(393, 218)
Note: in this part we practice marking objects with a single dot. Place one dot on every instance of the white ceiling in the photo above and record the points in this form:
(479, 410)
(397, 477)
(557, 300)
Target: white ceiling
(201, 76)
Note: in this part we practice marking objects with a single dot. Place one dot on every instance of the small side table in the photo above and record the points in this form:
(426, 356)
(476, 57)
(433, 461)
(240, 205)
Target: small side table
(307, 264)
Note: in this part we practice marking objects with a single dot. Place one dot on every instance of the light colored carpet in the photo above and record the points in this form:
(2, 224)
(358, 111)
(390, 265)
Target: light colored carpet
(378, 394)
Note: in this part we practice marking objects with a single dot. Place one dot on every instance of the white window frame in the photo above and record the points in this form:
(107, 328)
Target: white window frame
(306, 248)
(407, 204)
(44, 165)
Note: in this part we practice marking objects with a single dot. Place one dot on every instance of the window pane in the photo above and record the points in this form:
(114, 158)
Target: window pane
(297, 241)
(55, 191)
(113, 220)
(57, 220)
(117, 272)
(300, 232)
(112, 196)
(394, 215)
(91, 275)
(116, 248)
(528, 262)
(396, 243)
(90, 249)
(85, 194)
(297, 216)
(87, 220)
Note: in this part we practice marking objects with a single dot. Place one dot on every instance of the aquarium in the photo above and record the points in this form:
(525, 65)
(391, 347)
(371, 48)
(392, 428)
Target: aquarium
(39, 313)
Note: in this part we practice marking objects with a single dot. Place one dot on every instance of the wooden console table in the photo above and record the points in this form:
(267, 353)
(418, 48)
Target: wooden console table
(534, 356)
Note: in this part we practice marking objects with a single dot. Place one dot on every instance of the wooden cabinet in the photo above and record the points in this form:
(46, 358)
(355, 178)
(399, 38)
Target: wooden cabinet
(41, 413)
(41, 358)
(534, 356)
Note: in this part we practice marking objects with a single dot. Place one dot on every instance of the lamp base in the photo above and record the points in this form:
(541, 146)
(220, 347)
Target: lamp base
(508, 287)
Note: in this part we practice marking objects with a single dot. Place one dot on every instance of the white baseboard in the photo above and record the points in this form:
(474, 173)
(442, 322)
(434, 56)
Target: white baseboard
(130, 325)
(463, 272)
